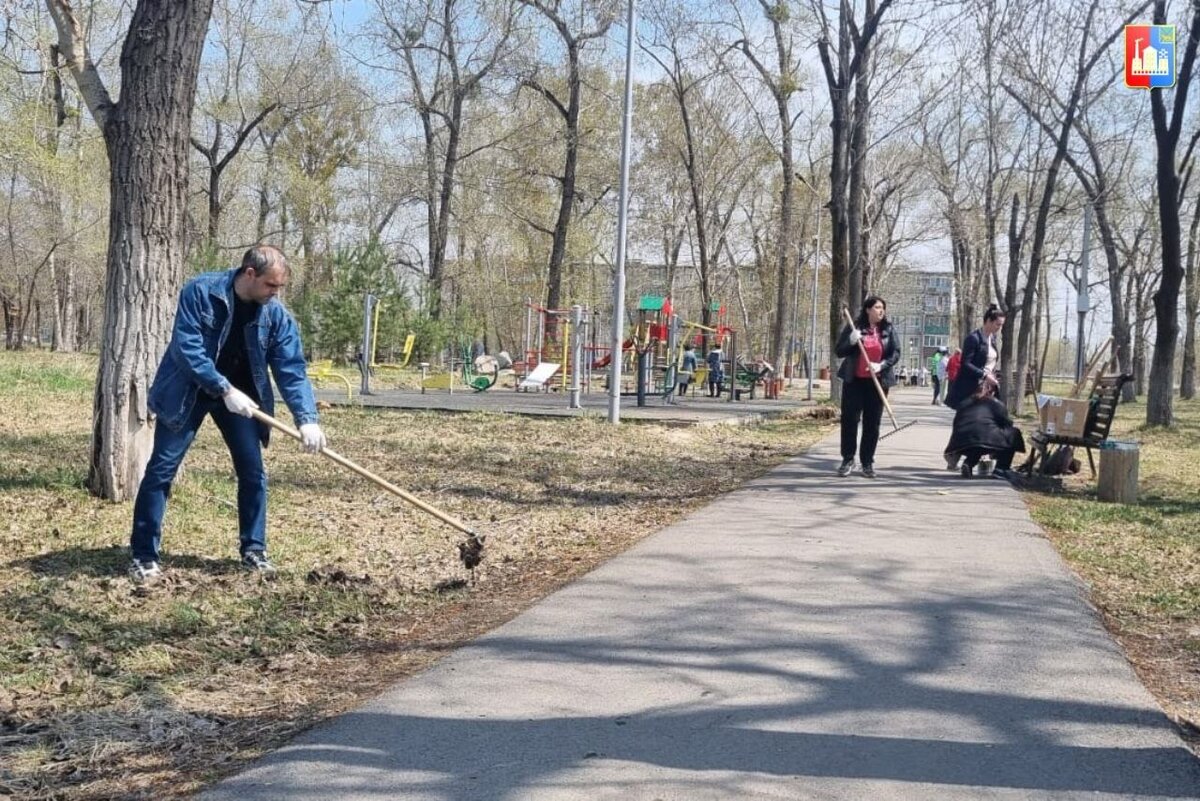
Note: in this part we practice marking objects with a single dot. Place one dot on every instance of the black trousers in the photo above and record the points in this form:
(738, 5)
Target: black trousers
(1004, 457)
(860, 401)
(937, 389)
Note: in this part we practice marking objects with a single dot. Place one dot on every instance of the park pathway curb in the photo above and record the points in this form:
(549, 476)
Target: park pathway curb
(805, 637)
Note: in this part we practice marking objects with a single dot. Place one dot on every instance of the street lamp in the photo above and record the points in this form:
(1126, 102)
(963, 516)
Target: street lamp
(614, 367)
(812, 336)
(795, 310)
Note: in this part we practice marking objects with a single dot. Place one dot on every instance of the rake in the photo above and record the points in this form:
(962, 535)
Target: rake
(896, 427)
(470, 551)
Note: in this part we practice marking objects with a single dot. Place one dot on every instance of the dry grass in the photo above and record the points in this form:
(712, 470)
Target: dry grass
(1142, 561)
(112, 691)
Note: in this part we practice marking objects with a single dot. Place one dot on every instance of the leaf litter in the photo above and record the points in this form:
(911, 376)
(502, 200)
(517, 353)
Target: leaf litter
(111, 690)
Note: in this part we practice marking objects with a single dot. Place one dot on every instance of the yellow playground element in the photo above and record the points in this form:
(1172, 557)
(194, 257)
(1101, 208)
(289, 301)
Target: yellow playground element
(321, 371)
(385, 371)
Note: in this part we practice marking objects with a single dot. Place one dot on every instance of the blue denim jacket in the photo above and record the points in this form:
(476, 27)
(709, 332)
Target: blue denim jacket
(202, 322)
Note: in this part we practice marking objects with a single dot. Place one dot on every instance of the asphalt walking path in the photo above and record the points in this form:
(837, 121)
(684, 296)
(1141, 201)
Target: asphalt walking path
(805, 637)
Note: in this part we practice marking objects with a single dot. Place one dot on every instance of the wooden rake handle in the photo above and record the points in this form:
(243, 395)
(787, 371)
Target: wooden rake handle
(874, 378)
(263, 417)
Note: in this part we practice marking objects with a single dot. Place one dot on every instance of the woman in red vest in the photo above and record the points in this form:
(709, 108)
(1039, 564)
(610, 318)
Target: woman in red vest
(860, 399)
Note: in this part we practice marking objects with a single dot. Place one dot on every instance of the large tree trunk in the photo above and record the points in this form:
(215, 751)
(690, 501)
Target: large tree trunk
(1161, 389)
(856, 190)
(147, 136)
(839, 234)
(1161, 392)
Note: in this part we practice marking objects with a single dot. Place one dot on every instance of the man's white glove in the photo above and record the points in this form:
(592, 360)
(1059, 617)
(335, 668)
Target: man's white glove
(239, 402)
(875, 367)
(313, 437)
(855, 336)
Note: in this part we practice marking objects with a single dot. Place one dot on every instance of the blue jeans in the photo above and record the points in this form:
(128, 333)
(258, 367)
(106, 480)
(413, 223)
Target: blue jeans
(241, 436)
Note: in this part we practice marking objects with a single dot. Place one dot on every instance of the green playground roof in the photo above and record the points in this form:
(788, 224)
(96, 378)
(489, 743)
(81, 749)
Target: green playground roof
(651, 303)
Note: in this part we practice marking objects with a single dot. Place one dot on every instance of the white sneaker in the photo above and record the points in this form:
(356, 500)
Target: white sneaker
(141, 570)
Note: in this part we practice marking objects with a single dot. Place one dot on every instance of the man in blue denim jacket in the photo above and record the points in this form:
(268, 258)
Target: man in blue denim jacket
(229, 327)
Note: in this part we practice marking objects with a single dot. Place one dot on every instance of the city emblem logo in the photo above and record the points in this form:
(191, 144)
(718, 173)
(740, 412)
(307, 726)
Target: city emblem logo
(1149, 56)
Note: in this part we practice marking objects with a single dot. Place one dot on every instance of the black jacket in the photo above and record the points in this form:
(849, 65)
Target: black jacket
(848, 352)
(971, 371)
(984, 424)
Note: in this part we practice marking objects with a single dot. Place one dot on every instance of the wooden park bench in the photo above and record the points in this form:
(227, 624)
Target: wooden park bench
(1102, 407)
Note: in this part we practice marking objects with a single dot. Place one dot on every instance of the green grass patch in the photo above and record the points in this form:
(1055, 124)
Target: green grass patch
(66, 374)
(1142, 561)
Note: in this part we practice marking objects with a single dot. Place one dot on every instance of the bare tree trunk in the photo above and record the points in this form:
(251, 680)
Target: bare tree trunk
(852, 56)
(147, 136)
(569, 111)
(1161, 392)
(56, 327)
(1120, 311)
(62, 284)
(1066, 121)
(1139, 343)
(782, 88)
(1045, 301)
(857, 157)
(1042, 301)
(1009, 301)
(68, 301)
(562, 224)
(10, 321)
(1191, 302)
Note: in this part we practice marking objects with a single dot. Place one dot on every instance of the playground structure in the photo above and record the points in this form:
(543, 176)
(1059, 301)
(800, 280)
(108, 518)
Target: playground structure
(554, 348)
(561, 352)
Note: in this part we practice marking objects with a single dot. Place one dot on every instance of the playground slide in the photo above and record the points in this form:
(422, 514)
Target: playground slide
(600, 364)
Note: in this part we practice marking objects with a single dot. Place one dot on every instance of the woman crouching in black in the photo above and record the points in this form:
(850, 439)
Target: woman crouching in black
(982, 427)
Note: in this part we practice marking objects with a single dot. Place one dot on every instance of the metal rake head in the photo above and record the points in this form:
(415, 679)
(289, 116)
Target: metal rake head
(898, 429)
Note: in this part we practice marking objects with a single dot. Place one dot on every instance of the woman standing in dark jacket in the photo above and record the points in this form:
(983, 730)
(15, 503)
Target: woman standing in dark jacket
(859, 396)
(980, 359)
(982, 426)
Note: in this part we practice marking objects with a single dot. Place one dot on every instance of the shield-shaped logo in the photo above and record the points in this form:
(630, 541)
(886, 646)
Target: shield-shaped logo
(1149, 56)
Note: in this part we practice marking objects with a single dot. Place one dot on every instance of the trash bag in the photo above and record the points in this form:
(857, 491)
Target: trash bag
(1061, 462)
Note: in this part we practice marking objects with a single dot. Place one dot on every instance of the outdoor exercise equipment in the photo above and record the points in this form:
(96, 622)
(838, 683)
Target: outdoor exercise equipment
(477, 378)
(470, 550)
(322, 370)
